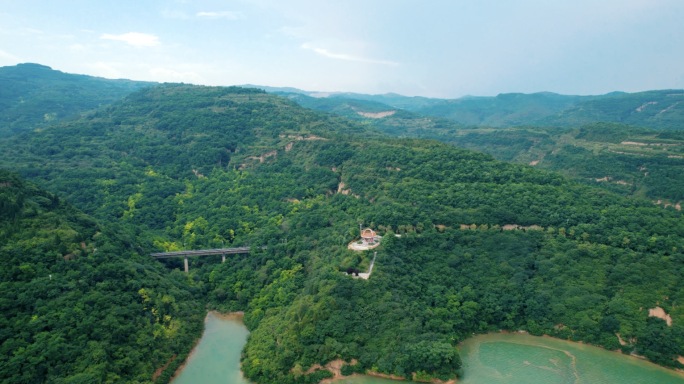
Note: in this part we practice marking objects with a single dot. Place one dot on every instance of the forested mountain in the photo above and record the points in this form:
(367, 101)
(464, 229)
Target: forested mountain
(79, 304)
(628, 159)
(33, 95)
(624, 159)
(661, 109)
(471, 244)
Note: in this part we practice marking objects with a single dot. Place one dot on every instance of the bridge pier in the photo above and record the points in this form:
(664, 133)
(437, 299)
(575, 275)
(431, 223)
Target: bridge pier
(200, 252)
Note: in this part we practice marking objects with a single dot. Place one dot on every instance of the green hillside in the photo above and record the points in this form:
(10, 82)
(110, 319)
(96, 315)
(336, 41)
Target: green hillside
(624, 159)
(79, 302)
(33, 95)
(663, 109)
(628, 159)
(470, 244)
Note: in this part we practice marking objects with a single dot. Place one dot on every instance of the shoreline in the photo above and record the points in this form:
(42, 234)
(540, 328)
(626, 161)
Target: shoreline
(335, 366)
(633, 357)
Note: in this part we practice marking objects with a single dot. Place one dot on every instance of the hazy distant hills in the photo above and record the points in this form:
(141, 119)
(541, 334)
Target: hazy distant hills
(32, 95)
(661, 109)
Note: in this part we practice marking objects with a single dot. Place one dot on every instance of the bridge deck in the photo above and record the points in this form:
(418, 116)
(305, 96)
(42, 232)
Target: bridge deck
(200, 252)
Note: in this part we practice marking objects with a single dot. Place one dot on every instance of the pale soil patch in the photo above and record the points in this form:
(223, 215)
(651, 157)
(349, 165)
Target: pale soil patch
(376, 115)
(514, 227)
(230, 315)
(665, 204)
(680, 359)
(262, 158)
(354, 246)
(335, 367)
(640, 144)
(627, 153)
(607, 179)
(385, 376)
(643, 106)
(288, 146)
(198, 174)
(506, 227)
(366, 275)
(161, 369)
(266, 155)
(534, 162)
(342, 188)
(301, 137)
(621, 340)
(669, 108)
(660, 313)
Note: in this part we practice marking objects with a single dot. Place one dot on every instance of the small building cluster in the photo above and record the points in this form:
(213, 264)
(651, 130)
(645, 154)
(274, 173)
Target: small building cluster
(369, 239)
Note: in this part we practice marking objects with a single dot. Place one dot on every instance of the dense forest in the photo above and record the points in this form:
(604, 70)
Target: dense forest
(599, 149)
(80, 303)
(34, 95)
(470, 245)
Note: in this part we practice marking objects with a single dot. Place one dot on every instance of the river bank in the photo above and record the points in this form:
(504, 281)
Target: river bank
(495, 358)
(520, 358)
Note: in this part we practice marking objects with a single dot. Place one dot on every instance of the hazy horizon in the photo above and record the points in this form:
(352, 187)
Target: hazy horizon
(446, 49)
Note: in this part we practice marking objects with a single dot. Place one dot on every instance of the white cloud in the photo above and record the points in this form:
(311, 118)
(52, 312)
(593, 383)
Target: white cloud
(135, 39)
(343, 56)
(228, 15)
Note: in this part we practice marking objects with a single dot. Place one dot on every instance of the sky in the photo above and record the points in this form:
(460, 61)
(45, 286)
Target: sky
(433, 48)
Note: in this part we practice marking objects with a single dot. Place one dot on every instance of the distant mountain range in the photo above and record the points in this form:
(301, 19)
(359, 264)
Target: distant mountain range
(659, 109)
(33, 94)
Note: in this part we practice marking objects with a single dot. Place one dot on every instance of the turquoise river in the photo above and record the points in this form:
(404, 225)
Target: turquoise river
(487, 359)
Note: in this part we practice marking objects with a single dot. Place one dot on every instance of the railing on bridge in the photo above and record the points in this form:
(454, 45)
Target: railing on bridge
(200, 252)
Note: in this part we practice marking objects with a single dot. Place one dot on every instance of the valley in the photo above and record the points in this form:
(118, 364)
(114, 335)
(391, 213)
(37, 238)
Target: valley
(174, 167)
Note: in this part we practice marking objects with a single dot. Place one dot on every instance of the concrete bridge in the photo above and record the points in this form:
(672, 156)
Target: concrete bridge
(200, 252)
